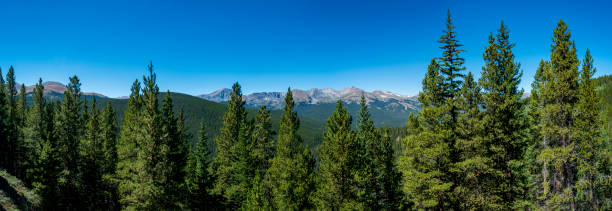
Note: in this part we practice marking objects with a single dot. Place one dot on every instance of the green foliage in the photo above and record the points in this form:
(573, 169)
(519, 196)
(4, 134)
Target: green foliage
(426, 161)
(229, 167)
(4, 123)
(198, 179)
(68, 132)
(557, 98)
(593, 155)
(374, 166)
(337, 185)
(149, 138)
(291, 174)
(503, 128)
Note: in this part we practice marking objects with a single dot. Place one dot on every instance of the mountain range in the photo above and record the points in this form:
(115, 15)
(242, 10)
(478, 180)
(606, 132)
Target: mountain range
(387, 108)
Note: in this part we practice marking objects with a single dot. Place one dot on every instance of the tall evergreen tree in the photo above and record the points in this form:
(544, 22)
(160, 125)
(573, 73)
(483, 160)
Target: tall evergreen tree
(377, 176)
(367, 150)
(388, 175)
(590, 147)
(34, 132)
(92, 160)
(68, 131)
(176, 155)
(291, 174)
(199, 180)
(260, 196)
(41, 157)
(129, 168)
(426, 160)
(224, 166)
(337, 186)
(451, 64)
(108, 137)
(142, 150)
(558, 96)
(503, 122)
(4, 124)
(12, 129)
(262, 141)
(476, 184)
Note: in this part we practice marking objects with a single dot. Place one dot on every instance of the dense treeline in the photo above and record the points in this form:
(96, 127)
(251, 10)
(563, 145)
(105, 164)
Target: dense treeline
(475, 145)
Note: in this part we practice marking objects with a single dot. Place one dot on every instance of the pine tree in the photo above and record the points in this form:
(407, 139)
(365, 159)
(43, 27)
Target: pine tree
(142, 150)
(536, 172)
(199, 180)
(367, 150)
(426, 160)
(108, 138)
(263, 144)
(129, 168)
(476, 183)
(20, 150)
(34, 132)
(376, 173)
(12, 129)
(68, 131)
(4, 123)
(260, 196)
(591, 151)
(92, 160)
(559, 94)
(41, 170)
(503, 122)
(224, 165)
(451, 65)
(176, 154)
(291, 174)
(388, 175)
(337, 187)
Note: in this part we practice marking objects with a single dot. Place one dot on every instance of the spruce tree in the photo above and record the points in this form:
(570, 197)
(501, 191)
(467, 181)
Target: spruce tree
(224, 166)
(503, 121)
(34, 131)
(337, 186)
(451, 65)
(376, 172)
(108, 137)
(558, 96)
(199, 180)
(175, 159)
(263, 144)
(388, 176)
(12, 129)
(291, 174)
(426, 160)
(128, 148)
(590, 147)
(260, 196)
(4, 123)
(92, 160)
(476, 184)
(142, 150)
(68, 131)
(367, 151)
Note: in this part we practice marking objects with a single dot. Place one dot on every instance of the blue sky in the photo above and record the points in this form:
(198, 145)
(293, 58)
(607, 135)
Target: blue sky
(200, 46)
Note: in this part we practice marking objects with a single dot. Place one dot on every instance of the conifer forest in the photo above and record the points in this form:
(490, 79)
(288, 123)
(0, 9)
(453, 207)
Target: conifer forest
(474, 144)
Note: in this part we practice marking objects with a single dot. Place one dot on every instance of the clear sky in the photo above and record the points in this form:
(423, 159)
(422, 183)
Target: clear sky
(200, 46)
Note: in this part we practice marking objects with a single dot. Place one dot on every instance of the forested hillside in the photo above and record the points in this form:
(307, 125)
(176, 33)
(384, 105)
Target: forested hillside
(476, 143)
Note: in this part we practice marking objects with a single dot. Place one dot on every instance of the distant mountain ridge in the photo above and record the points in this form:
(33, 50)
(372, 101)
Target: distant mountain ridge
(387, 108)
(275, 100)
(53, 87)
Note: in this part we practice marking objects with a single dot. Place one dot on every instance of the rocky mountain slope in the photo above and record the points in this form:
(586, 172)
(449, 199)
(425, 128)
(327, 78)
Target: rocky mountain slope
(387, 108)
